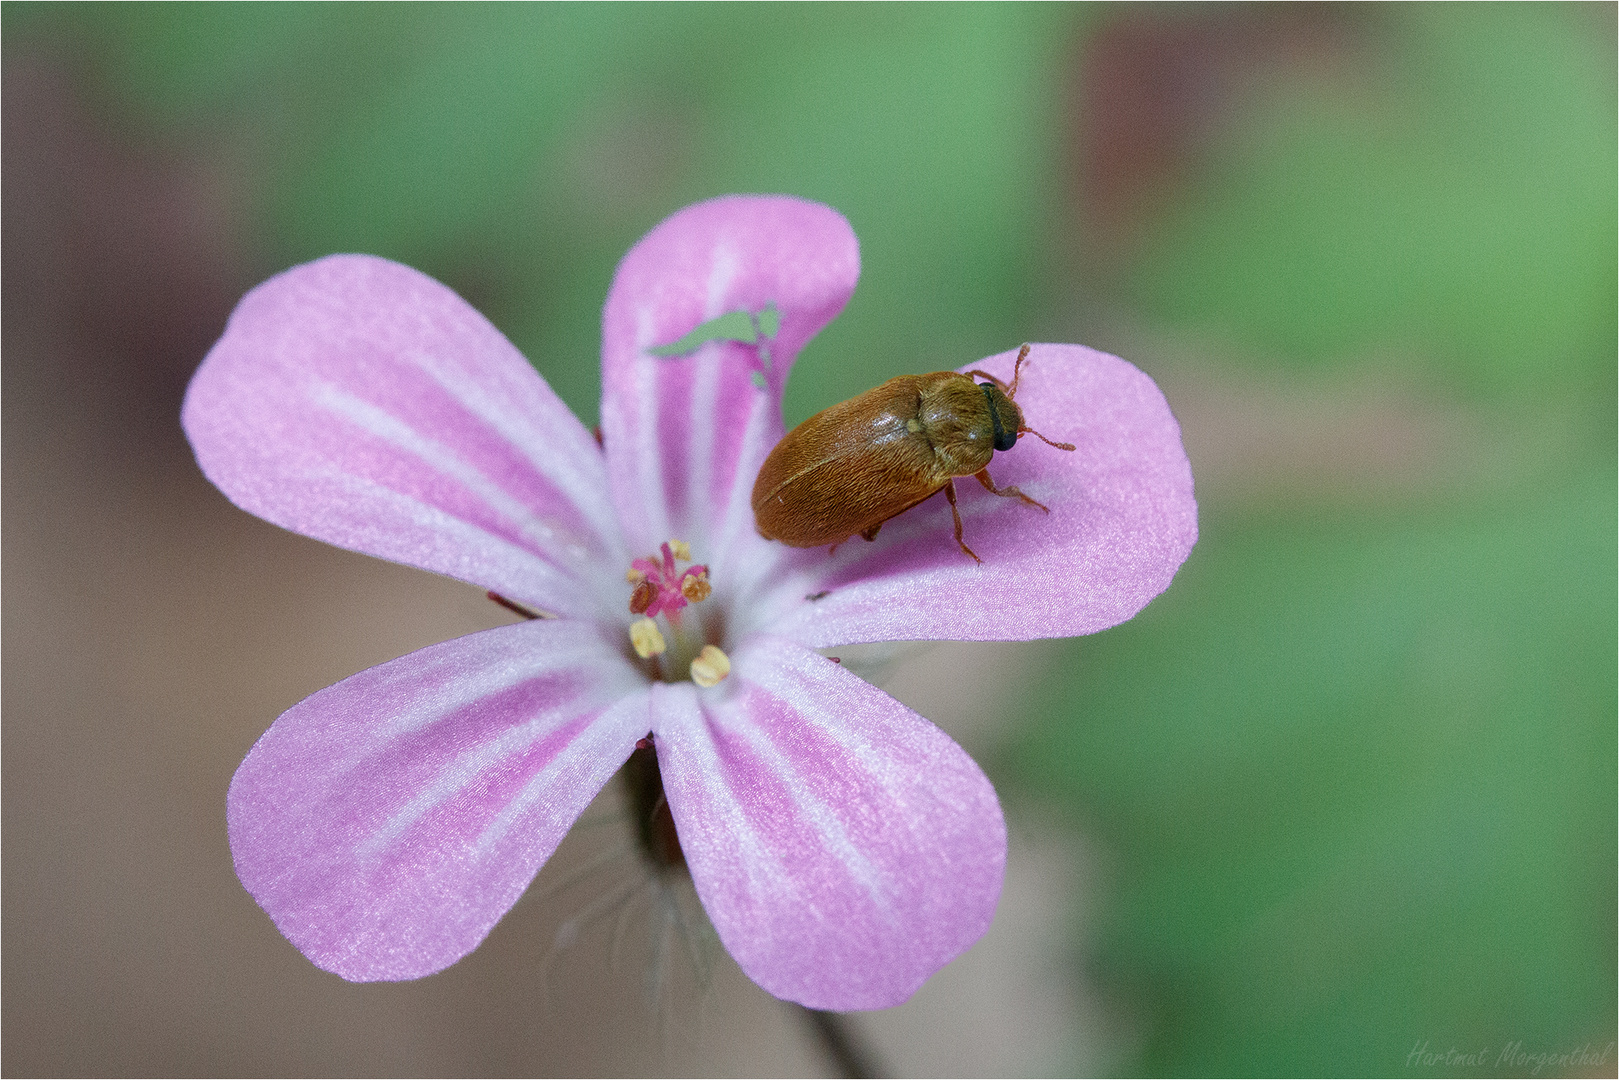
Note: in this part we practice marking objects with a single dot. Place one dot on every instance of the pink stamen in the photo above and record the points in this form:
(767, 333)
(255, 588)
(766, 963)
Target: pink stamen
(665, 583)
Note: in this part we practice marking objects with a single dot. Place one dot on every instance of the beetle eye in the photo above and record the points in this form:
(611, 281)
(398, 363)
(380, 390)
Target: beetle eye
(1005, 438)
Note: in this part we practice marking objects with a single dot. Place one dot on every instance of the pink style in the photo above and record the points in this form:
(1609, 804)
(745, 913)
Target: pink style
(844, 848)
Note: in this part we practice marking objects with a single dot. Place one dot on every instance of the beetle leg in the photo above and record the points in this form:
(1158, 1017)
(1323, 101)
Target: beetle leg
(982, 475)
(870, 534)
(950, 494)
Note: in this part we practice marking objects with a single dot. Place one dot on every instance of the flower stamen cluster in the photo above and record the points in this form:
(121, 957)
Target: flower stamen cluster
(662, 589)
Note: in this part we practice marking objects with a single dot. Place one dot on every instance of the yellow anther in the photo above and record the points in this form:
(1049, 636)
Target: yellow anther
(647, 638)
(696, 587)
(634, 576)
(681, 549)
(710, 667)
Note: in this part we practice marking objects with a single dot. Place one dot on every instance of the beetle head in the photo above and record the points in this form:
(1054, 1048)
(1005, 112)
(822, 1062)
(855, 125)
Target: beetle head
(1004, 414)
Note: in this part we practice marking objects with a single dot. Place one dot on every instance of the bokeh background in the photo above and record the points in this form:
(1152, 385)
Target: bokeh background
(1341, 801)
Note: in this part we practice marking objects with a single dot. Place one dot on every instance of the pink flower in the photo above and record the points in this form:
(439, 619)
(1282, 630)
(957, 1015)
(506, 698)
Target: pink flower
(843, 847)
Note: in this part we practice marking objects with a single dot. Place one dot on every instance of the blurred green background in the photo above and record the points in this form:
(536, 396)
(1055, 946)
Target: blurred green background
(1348, 787)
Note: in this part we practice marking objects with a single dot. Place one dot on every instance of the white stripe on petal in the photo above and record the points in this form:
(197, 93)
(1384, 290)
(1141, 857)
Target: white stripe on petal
(645, 446)
(599, 739)
(700, 427)
(818, 813)
(529, 577)
(756, 858)
(721, 273)
(450, 782)
(737, 514)
(389, 428)
(709, 362)
(516, 427)
(513, 660)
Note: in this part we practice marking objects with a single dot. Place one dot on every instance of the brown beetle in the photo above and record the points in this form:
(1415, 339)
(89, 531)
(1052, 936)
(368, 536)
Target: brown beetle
(848, 469)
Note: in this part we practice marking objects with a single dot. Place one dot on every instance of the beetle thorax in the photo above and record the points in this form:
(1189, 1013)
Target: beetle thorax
(956, 420)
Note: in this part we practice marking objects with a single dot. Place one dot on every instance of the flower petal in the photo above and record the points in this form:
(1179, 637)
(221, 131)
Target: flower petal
(844, 848)
(1123, 519)
(686, 435)
(361, 402)
(386, 823)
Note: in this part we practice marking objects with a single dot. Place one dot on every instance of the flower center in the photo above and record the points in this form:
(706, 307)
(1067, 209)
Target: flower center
(661, 588)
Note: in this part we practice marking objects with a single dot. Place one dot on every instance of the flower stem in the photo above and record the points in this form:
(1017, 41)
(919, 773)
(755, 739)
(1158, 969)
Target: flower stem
(654, 824)
(848, 1052)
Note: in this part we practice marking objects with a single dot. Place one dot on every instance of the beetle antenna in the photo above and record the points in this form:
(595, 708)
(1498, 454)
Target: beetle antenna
(1042, 438)
(1017, 371)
